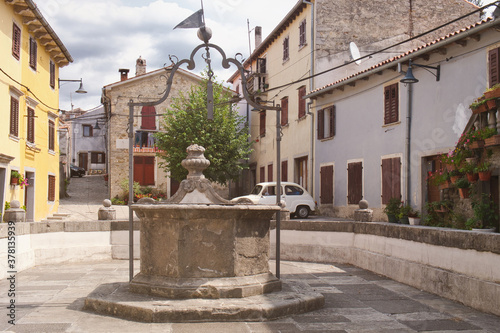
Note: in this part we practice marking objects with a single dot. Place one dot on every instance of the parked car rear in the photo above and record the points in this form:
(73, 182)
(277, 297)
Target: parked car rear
(77, 171)
(297, 200)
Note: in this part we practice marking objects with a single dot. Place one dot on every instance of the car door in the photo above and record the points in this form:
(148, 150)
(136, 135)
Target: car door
(293, 195)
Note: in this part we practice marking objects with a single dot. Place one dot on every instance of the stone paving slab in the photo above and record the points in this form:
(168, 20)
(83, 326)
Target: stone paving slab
(353, 304)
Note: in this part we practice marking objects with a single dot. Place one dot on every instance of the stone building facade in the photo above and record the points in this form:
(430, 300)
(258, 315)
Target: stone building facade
(145, 86)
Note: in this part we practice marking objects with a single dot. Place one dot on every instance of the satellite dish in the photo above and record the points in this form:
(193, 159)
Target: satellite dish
(355, 52)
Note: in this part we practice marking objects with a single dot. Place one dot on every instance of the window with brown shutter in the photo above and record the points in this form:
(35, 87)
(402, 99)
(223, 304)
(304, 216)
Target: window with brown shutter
(88, 130)
(302, 33)
(52, 188)
(494, 67)
(16, 41)
(284, 171)
(97, 158)
(270, 173)
(286, 54)
(262, 118)
(326, 123)
(391, 104)
(326, 191)
(354, 183)
(262, 175)
(284, 111)
(14, 117)
(144, 170)
(391, 179)
(302, 102)
(33, 52)
(52, 132)
(148, 118)
(52, 74)
(31, 125)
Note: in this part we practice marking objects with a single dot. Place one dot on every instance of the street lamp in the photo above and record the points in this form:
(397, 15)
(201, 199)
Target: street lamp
(80, 89)
(409, 78)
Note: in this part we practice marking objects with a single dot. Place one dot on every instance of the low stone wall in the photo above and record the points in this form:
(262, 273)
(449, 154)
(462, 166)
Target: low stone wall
(460, 265)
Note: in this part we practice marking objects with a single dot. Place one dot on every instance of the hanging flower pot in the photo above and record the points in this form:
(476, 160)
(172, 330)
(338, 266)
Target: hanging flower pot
(485, 175)
(493, 92)
(454, 179)
(464, 193)
(472, 177)
(14, 181)
(491, 104)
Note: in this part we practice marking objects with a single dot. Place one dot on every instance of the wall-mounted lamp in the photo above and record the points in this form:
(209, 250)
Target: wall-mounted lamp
(409, 78)
(80, 90)
(96, 127)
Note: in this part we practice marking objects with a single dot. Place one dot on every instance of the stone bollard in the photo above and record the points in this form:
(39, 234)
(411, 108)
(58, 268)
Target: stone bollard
(106, 212)
(363, 214)
(15, 213)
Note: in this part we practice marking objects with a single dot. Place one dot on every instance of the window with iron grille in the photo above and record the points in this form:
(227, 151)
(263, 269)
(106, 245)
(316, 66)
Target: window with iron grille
(87, 130)
(326, 123)
(31, 125)
(16, 41)
(302, 34)
(284, 111)
(52, 188)
(33, 52)
(494, 66)
(391, 104)
(391, 179)
(286, 49)
(302, 102)
(262, 121)
(14, 117)
(52, 135)
(52, 74)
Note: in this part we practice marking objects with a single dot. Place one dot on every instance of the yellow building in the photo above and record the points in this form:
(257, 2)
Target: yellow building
(31, 55)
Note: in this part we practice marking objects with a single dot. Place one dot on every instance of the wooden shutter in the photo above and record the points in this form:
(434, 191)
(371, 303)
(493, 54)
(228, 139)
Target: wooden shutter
(391, 104)
(31, 125)
(285, 49)
(284, 171)
(494, 67)
(332, 121)
(16, 41)
(33, 52)
(270, 173)
(14, 117)
(355, 182)
(262, 176)
(302, 102)
(391, 179)
(138, 169)
(284, 111)
(52, 74)
(52, 188)
(262, 118)
(302, 33)
(321, 124)
(326, 174)
(148, 118)
(51, 135)
(149, 170)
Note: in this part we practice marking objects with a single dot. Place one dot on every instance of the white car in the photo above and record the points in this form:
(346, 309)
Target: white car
(296, 199)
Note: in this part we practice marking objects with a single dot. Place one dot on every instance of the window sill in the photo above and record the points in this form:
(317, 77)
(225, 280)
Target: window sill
(32, 146)
(327, 139)
(391, 124)
(14, 138)
(302, 118)
(302, 46)
(51, 152)
(285, 125)
(286, 60)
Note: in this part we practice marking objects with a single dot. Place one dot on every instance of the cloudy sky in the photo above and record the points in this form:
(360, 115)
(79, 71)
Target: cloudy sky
(103, 36)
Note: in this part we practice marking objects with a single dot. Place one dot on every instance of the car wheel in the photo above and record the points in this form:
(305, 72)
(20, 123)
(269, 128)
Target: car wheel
(302, 212)
(80, 175)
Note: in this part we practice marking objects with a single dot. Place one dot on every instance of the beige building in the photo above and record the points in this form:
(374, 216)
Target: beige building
(316, 37)
(144, 86)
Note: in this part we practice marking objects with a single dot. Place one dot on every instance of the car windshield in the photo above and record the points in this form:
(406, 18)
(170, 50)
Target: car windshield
(256, 189)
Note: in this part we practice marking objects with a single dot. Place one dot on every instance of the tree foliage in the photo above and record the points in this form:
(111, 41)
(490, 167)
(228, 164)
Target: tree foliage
(225, 138)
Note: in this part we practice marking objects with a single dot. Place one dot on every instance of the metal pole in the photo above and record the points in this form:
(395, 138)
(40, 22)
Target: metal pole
(278, 189)
(131, 189)
(407, 193)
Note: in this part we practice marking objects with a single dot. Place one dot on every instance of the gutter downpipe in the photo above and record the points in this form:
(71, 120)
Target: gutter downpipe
(407, 193)
(309, 104)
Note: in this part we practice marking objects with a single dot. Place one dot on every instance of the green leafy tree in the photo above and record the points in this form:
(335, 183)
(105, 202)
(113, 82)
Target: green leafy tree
(225, 138)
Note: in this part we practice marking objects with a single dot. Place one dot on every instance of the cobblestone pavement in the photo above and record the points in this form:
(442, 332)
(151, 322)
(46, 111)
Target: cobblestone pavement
(50, 299)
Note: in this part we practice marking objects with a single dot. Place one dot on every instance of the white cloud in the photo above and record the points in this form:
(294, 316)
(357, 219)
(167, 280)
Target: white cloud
(103, 36)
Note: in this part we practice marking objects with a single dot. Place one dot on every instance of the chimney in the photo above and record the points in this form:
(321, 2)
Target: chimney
(140, 66)
(123, 73)
(258, 36)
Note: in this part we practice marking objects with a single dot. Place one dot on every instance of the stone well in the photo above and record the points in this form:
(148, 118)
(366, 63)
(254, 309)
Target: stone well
(202, 259)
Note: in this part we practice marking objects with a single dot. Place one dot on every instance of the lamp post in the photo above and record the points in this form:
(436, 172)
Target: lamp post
(80, 90)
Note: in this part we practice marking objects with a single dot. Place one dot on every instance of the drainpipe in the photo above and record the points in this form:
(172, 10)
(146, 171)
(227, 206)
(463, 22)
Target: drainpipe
(311, 88)
(407, 194)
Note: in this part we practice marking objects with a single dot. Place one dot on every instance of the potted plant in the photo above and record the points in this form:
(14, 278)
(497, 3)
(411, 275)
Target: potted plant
(455, 176)
(485, 214)
(404, 211)
(492, 92)
(392, 209)
(439, 178)
(470, 170)
(463, 186)
(478, 106)
(16, 178)
(414, 217)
